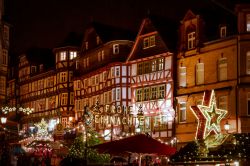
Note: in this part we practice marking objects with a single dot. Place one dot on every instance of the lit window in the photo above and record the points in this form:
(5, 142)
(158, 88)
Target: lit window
(63, 77)
(146, 67)
(153, 93)
(191, 40)
(222, 104)
(97, 40)
(199, 73)
(248, 62)
(146, 94)
(64, 99)
(72, 54)
(72, 98)
(248, 103)
(116, 49)
(77, 85)
(182, 112)
(103, 55)
(63, 56)
(161, 92)
(160, 64)
(182, 76)
(222, 67)
(117, 71)
(140, 69)
(223, 31)
(86, 45)
(248, 22)
(154, 65)
(5, 57)
(99, 56)
(149, 42)
(139, 95)
(118, 94)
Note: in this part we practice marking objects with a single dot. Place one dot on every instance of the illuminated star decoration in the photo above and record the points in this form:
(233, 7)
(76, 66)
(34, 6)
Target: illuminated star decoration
(208, 115)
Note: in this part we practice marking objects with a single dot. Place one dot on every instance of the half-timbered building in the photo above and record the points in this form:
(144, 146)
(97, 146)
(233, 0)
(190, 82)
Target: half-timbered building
(102, 75)
(151, 80)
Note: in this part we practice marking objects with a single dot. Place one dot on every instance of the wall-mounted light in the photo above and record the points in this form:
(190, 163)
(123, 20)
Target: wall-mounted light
(3, 120)
(227, 126)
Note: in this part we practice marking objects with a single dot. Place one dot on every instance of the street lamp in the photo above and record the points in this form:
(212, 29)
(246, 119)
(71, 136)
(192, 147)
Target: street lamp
(3, 119)
(227, 126)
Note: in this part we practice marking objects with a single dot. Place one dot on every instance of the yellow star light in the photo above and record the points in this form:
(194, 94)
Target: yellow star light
(208, 115)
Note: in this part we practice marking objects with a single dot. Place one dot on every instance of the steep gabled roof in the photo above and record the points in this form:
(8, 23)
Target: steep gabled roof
(165, 31)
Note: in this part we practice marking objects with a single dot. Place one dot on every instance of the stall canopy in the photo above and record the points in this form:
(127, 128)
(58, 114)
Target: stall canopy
(141, 144)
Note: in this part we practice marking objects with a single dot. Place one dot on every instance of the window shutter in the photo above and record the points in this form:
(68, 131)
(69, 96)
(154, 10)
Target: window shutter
(200, 73)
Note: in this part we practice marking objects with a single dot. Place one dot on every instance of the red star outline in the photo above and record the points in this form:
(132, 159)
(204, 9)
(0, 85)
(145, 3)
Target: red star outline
(205, 114)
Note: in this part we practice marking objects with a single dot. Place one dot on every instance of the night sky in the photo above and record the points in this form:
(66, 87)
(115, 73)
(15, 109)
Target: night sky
(46, 23)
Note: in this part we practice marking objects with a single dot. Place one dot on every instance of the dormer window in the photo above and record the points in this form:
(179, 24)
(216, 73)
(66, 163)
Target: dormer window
(63, 55)
(41, 67)
(86, 45)
(33, 69)
(148, 42)
(116, 49)
(191, 40)
(248, 22)
(97, 40)
(223, 31)
(72, 54)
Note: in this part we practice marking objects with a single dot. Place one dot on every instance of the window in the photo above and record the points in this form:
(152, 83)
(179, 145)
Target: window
(160, 64)
(182, 76)
(223, 31)
(64, 99)
(149, 42)
(222, 102)
(86, 45)
(105, 75)
(77, 64)
(70, 76)
(248, 103)
(153, 93)
(191, 40)
(93, 80)
(41, 67)
(103, 55)
(140, 69)
(146, 67)
(77, 84)
(139, 95)
(116, 49)
(117, 71)
(50, 81)
(96, 79)
(86, 83)
(33, 69)
(118, 94)
(63, 77)
(99, 56)
(248, 62)
(2, 84)
(106, 98)
(248, 22)
(5, 57)
(72, 54)
(97, 40)
(63, 55)
(199, 73)
(72, 98)
(146, 94)
(222, 67)
(87, 62)
(154, 65)
(146, 42)
(161, 92)
(78, 105)
(182, 113)
(113, 94)
(112, 72)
